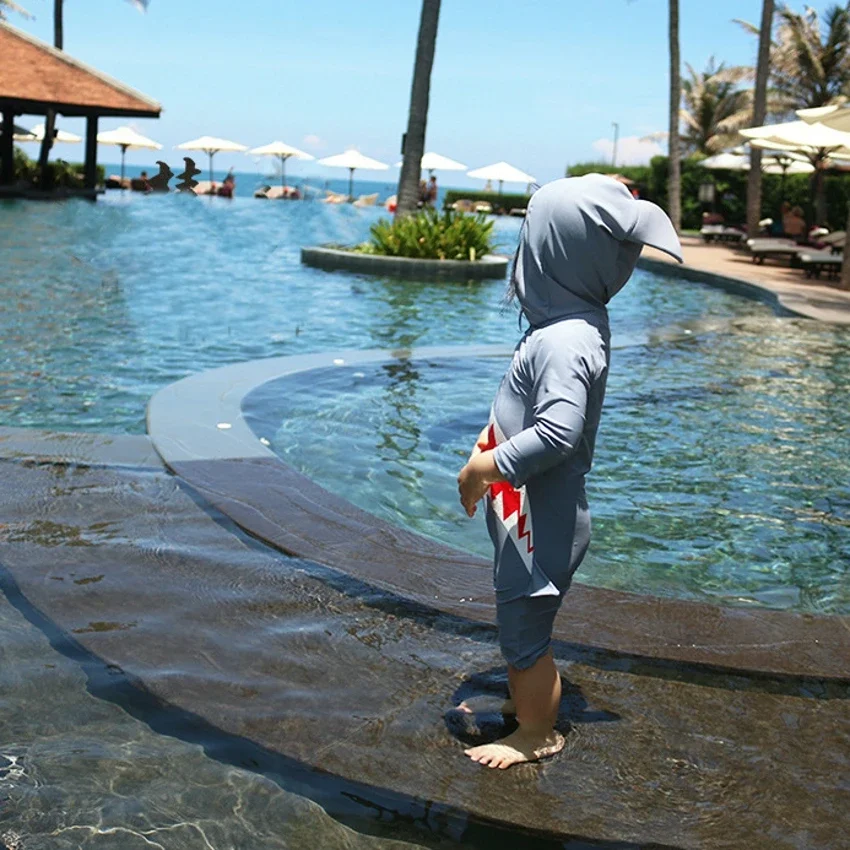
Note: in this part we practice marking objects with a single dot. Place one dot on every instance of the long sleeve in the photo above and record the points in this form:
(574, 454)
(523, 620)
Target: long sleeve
(561, 382)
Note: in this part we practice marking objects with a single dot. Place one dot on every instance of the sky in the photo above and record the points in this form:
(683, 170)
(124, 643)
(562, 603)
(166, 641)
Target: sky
(537, 83)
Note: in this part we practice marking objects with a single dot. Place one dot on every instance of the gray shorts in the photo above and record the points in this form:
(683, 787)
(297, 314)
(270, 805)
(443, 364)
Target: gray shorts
(525, 628)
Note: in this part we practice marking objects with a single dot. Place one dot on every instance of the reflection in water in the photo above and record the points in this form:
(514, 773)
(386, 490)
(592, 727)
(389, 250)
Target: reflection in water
(109, 302)
(721, 471)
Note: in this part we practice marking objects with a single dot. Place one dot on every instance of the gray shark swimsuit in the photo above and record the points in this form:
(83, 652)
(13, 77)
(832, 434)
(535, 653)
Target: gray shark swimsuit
(579, 244)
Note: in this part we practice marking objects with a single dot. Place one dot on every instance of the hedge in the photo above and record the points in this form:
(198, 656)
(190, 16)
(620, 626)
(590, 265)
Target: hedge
(731, 190)
(505, 202)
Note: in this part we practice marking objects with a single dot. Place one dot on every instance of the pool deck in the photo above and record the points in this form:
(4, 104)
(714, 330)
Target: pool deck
(786, 287)
(282, 663)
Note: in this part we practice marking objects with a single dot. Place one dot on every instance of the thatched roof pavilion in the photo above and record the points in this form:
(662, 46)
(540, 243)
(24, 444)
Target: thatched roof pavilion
(35, 77)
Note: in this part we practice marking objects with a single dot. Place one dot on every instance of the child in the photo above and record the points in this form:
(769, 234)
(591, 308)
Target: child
(579, 244)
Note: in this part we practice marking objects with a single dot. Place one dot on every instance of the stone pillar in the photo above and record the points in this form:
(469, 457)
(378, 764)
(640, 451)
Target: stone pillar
(7, 167)
(91, 152)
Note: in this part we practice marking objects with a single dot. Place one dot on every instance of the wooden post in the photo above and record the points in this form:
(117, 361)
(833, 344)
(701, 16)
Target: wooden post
(7, 150)
(91, 152)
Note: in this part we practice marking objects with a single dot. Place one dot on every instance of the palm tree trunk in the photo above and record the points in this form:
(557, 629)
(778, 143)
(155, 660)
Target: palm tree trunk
(414, 140)
(674, 175)
(759, 115)
(50, 116)
(58, 25)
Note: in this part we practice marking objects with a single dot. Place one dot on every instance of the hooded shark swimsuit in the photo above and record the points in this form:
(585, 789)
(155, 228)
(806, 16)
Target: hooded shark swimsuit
(578, 247)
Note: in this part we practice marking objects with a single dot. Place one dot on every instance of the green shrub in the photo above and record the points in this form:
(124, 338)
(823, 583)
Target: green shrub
(638, 173)
(501, 203)
(60, 173)
(731, 190)
(431, 235)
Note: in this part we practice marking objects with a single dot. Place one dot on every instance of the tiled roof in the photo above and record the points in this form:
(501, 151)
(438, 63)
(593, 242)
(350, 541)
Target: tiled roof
(36, 73)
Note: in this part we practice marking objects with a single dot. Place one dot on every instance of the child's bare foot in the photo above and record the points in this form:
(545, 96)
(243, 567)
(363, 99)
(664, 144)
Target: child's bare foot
(517, 748)
(487, 703)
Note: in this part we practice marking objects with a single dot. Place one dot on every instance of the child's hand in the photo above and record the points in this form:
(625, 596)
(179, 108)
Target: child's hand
(475, 478)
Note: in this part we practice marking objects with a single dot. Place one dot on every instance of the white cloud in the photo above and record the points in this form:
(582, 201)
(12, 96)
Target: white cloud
(311, 140)
(631, 150)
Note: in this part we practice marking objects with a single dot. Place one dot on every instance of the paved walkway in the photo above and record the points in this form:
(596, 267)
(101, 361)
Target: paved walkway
(789, 287)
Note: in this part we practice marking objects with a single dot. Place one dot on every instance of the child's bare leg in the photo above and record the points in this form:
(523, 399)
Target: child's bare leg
(537, 695)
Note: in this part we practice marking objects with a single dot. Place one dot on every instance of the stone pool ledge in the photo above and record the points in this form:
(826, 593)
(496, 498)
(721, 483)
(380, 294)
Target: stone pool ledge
(199, 428)
(33, 445)
(783, 288)
(334, 259)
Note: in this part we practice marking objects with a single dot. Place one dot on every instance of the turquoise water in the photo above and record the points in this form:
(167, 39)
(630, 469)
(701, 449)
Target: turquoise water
(722, 470)
(722, 465)
(721, 473)
(101, 305)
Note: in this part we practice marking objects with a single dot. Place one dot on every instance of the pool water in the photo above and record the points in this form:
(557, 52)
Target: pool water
(722, 469)
(103, 304)
(721, 473)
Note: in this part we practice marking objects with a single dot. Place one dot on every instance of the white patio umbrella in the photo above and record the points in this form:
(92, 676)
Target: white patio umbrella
(124, 138)
(784, 162)
(20, 134)
(834, 117)
(432, 162)
(813, 140)
(211, 145)
(283, 152)
(351, 160)
(503, 172)
(37, 135)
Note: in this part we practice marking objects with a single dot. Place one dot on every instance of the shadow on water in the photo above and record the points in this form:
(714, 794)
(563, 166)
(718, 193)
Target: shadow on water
(363, 807)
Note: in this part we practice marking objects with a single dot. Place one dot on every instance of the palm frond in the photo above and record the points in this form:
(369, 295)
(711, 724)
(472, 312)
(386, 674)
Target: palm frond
(11, 6)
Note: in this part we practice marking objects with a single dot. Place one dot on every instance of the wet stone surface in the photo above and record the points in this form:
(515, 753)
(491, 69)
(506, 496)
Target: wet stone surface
(77, 771)
(290, 666)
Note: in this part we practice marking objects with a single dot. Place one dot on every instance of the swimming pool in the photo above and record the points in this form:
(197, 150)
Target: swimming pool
(102, 305)
(721, 470)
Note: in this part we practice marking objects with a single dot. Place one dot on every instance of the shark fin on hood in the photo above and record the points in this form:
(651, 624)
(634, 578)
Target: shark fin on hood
(579, 245)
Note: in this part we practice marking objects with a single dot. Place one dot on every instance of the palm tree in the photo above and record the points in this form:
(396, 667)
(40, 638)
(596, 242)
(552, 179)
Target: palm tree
(674, 176)
(807, 69)
(714, 108)
(7, 6)
(758, 117)
(50, 117)
(809, 57)
(414, 139)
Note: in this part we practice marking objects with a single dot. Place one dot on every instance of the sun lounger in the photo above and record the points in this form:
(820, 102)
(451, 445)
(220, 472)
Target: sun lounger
(721, 233)
(815, 262)
(482, 207)
(834, 241)
(762, 248)
(366, 200)
(334, 197)
(276, 193)
(462, 205)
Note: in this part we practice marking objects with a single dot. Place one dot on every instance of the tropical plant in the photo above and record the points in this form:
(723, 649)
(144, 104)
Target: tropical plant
(809, 57)
(674, 179)
(50, 116)
(714, 108)
(431, 235)
(7, 6)
(417, 118)
(754, 182)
